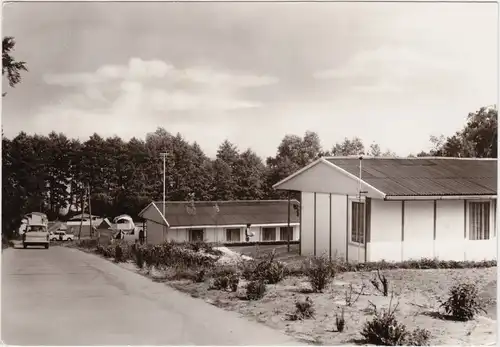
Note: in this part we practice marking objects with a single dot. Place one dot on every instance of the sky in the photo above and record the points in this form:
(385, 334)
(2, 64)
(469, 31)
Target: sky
(390, 73)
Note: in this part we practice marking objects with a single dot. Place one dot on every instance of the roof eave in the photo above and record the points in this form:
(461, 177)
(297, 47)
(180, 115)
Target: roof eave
(438, 197)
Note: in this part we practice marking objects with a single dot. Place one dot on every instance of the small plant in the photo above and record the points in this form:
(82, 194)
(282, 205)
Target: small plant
(350, 299)
(340, 321)
(381, 283)
(256, 289)
(200, 276)
(304, 309)
(225, 279)
(234, 280)
(119, 256)
(463, 302)
(221, 282)
(139, 257)
(320, 271)
(385, 330)
(418, 337)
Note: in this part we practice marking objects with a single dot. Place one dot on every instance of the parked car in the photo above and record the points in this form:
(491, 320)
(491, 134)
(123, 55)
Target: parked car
(60, 235)
(36, 235)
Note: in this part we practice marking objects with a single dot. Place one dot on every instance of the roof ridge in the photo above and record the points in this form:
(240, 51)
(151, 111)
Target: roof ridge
(223, 201)
(408, 158)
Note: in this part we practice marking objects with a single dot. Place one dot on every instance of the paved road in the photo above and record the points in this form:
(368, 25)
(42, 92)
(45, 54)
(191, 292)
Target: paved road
(62, 296)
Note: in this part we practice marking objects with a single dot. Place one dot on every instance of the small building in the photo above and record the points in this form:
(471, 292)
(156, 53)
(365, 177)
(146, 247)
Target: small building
(83, 224)
(221, 221)
(397, 209)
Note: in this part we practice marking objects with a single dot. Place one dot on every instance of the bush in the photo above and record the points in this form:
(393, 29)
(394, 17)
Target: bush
(320, 271)
(303, 310)
(119, 254)
(139, 256)
(200, 276)
(256, 290)
(343, 266)
(267, 269)
(463, 302)
(385, 330)
(226, 278)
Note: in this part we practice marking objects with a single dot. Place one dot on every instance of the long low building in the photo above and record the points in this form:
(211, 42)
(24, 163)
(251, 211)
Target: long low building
(221, 221)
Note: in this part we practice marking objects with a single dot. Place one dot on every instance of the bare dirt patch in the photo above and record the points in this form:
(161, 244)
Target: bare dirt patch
(417, 291)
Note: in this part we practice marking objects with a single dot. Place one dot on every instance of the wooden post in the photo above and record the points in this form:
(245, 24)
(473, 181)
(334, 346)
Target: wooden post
(288, 224)
(82, 204)
(90, 213)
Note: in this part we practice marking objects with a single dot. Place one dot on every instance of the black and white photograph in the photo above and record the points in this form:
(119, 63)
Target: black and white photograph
(249, 173)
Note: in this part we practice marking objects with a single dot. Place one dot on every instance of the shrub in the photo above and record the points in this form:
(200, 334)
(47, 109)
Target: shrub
(200, 276)
(226, 278)
(139, 257)
(463, 302)
(234, 281)
(256, 290)
(385, 330)
(343, 266)
(350, 299)
(304, 309)
(381, 283)
(267, 269)
(320, 271)
(119, 254)
(340, 321)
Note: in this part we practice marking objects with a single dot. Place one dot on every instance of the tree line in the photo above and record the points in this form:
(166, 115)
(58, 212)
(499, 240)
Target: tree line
(55, 174)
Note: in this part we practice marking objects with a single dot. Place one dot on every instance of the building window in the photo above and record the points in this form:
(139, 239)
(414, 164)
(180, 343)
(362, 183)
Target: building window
(284, 234)
(268, 234)
(479, 220)
(233, 235)
(195, 235)
(358, 222)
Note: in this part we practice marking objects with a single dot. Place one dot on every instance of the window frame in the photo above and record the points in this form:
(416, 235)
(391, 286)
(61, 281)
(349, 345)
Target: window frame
(359, 221)
(190, 236)
(229, 230)
(264, 229)
(283, 230)
(481, 213)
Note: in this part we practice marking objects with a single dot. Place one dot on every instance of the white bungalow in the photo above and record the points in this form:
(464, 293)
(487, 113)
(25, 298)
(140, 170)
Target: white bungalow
(221, 221)
(397, 209)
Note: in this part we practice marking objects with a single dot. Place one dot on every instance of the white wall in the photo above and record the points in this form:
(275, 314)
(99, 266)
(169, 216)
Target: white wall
(339, 211)
(323, 215)
(213, 234)
(450, 242)
(307, 216)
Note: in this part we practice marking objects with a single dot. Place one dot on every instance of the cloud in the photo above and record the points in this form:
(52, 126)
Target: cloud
(138, 69)
(390, 67)
(146, 89)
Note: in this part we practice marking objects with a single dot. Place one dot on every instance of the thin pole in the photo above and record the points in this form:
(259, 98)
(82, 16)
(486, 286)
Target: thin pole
(288, 226)
(90, 213)
(82, 205)
(164, 156)
(359, 195)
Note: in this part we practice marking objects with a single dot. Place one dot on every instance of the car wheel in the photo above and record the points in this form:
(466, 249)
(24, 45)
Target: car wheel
(70, 239)
(47, 246)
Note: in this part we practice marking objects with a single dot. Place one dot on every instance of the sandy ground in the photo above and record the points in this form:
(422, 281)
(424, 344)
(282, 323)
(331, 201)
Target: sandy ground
(417, 291)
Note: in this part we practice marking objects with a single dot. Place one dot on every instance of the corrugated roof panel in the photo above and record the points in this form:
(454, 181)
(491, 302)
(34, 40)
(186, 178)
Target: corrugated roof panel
(230, 212)
(430, 176)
